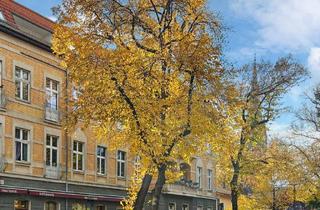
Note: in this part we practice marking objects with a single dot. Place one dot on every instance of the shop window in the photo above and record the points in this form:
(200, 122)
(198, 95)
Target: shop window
(51, 206)
(101, 207)
(185, 207)
(21, 205)
(80, 206)
(172, 206)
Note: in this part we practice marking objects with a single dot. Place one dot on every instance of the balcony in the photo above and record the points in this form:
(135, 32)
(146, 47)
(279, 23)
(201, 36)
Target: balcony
(184, 187)
(52, 172)
(51, 114)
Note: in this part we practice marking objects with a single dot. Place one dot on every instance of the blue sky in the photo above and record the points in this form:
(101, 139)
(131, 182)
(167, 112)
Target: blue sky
(270, 29)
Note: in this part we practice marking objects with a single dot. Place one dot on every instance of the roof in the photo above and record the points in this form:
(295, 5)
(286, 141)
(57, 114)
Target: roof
(10, 7)
(25, 24)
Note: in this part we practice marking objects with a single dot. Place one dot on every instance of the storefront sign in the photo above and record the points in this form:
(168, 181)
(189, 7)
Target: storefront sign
(60, 195)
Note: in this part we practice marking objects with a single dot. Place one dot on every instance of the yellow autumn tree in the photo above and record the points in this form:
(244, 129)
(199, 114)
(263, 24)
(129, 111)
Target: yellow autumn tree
(259, 88)
(144, 71)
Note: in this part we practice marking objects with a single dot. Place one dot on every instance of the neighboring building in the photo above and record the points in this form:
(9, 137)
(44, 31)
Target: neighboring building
(42, 166)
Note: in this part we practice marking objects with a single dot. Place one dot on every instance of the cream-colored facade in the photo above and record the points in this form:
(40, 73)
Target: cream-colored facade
(43, 164)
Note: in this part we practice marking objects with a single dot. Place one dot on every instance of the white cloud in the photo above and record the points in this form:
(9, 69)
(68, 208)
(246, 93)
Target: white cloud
(283, 25)
(314, 64)
(53, 18)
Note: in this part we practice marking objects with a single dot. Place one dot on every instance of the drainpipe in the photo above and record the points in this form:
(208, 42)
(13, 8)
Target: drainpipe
(67, 136)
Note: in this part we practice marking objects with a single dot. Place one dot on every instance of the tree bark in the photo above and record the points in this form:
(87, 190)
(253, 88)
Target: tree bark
(161, 180)
(234, 186)
(142, 194)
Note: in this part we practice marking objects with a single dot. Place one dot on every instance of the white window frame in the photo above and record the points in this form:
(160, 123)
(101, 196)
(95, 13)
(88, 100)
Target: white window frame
(100, 158)
(174, 206)
(122, 163)
(199, 176)
(210, 179)
(22, 81)
(51, 92)
(51, 148)
(77, 153)
(22, 142)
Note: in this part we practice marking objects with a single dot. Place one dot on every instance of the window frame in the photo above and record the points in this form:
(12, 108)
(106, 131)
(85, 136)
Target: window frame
(174, 205)
(55, 202)
(21, 81)
(77, 153)
(185, 205)
(210, 173)
(99, 161)
(121, 163)
(28, 204)
(22, 142)
(51, 148)
(199, 176)
(52, 92)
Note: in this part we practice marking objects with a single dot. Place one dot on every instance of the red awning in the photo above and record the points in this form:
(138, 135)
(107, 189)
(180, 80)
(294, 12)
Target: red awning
(61, 194)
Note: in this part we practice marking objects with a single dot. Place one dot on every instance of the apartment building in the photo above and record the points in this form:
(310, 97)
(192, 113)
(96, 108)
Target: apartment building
(42, 166)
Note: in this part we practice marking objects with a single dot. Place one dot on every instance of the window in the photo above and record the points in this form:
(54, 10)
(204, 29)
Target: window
(221, 206)
(52, 151)
(22, 144)
(1, 16)
(77, 156)
(199, 175)
(79, 206)
(52, 94)
(101, 160)
(172, 206)
(121, 161)
(22, 80)
(209, 179)
(100, 207)
(185, 207)
(50, 206)
(21, 205)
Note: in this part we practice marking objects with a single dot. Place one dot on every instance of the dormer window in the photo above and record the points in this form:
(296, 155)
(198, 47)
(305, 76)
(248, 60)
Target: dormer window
(2, 16)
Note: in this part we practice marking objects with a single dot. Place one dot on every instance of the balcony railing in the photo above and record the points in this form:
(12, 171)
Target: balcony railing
(185, 186)
(52, 172)
(51, 114)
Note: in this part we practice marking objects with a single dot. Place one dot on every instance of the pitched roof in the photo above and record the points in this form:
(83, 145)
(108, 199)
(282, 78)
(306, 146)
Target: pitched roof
(10, 8)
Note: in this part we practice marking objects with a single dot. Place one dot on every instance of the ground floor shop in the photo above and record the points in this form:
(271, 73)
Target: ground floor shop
(24, 194)
(29, 194)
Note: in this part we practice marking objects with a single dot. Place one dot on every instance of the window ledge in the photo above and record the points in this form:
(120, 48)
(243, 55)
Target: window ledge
(52, 122)
(22, 101)
(78, 171)
(122, 178)
(102, 175)
(23, 163)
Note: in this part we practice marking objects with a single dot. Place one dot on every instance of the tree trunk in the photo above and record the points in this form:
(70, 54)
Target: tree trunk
(141, 197)
(234, 186)
(236, 172)
(161, 180)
